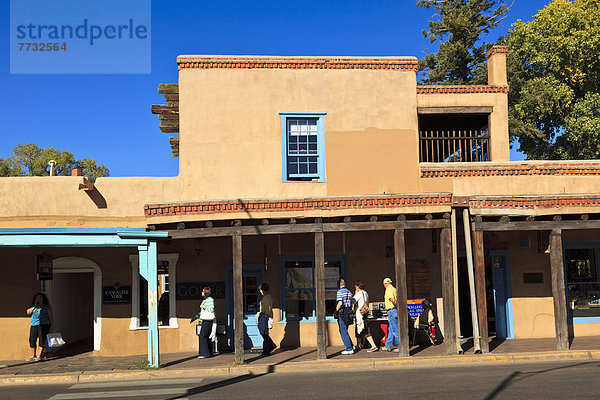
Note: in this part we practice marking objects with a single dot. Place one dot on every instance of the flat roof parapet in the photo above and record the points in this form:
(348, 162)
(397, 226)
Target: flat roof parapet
(296, 62)
(512, 168)
(455, 89)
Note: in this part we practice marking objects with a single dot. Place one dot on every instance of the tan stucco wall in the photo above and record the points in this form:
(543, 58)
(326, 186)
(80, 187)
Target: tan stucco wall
(46, 202)
(231, 131)
(533, 305)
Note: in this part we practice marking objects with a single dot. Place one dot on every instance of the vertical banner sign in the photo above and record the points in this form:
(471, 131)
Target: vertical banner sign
(80, 37)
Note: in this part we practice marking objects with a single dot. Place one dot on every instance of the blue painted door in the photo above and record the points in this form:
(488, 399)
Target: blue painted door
(502, 295)
(252, 277)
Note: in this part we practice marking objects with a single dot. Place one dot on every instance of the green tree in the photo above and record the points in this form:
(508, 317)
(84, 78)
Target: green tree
(31, 160)
(461, 24)
(554, 77)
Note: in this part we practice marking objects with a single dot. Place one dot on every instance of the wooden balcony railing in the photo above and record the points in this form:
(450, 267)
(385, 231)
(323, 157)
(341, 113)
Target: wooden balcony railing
(454, 146)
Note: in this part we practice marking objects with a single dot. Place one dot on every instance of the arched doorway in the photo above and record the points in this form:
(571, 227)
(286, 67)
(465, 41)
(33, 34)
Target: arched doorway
(74, 268)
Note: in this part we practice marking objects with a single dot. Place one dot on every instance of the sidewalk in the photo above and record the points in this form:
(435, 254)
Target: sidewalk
(86, 368)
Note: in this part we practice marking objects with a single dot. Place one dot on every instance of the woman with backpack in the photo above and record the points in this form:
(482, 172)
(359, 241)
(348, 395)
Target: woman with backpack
(361, 300)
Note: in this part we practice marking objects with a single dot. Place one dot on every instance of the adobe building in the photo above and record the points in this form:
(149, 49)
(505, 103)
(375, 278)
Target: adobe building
(298, 171)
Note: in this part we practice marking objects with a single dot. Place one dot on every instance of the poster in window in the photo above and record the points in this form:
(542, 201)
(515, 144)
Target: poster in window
(332, 275)
(298, 278)
(298, 295)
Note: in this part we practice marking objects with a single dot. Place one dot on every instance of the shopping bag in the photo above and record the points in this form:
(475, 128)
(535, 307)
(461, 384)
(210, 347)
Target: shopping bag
(198, 327)
(54, 340)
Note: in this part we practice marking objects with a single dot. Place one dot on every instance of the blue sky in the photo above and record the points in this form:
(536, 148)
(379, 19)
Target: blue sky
(107, 117)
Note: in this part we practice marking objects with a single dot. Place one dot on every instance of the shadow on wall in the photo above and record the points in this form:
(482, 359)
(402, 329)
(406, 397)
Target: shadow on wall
(291, 336)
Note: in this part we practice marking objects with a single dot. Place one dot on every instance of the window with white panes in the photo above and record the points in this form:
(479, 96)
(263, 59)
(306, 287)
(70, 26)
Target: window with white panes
(303, 147)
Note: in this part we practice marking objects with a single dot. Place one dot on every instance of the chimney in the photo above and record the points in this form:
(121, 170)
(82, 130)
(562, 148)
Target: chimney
(496, 65)
(77, 171)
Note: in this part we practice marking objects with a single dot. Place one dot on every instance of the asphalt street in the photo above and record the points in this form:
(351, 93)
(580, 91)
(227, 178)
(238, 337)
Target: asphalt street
(552, 380)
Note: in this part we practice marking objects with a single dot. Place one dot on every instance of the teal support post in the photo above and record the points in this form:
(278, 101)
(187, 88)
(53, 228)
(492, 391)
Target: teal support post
(149, 270)
(153, 357)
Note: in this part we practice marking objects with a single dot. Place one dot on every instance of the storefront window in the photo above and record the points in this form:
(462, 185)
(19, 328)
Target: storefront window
(299, 287)
(163, 296)
(583, 287)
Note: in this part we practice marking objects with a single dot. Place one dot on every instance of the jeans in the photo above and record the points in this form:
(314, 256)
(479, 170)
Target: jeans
(263, 328)
(344, 334)
(392, 328)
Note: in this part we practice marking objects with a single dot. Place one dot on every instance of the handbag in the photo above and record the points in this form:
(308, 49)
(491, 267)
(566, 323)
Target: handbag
(365, 307)
(206, 315)
(54, 340)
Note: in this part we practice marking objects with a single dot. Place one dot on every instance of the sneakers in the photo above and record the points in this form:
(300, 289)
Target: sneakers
(201, 357)
(347, 352)
(396, 351)
(385, 349)
(373, 350)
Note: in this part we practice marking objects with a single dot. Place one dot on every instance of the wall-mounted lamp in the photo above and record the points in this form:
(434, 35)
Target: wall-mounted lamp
(44, 267)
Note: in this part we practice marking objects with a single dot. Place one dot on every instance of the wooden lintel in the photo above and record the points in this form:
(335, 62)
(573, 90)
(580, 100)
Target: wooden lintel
(308, 228)
(171, 96)
(536, 225)
(456, 110)
(169, 128)
(164, 88)
(169, 117)
(164, 109)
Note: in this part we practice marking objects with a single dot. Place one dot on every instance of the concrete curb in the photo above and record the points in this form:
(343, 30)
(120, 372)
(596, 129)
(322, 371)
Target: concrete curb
(300, 366)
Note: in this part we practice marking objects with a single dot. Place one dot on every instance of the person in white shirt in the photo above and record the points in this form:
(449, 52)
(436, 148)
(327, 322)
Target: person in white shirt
(361, 299)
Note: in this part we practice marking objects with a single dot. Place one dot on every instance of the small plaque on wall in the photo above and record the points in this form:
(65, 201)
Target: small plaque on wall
(116, 294)
(533, 277)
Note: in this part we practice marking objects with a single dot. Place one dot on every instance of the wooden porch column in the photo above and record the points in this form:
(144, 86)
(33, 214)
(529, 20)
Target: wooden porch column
(320, 296)
(448, 291)
(400, 268)
(238, 299)
(558, 290)
(480, 291)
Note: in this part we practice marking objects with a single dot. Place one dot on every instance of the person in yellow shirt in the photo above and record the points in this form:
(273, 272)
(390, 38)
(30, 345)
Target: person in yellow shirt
(265, 314)
(392, 315)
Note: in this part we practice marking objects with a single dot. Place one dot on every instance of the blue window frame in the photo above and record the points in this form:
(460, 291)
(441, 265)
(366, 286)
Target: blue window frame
(303, 147)
(298, 288)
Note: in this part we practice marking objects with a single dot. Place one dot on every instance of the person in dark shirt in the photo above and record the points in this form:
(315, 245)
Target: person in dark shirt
(41, 324)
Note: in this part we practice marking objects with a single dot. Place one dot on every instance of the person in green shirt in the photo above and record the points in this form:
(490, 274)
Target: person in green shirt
(207, 318)
(265, 314)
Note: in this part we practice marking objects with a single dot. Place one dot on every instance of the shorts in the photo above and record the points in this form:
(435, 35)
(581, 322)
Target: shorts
(38, 332)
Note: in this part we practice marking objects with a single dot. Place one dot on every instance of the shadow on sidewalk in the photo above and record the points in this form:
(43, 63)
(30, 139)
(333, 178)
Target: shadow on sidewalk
(519, 376)
(223, 383)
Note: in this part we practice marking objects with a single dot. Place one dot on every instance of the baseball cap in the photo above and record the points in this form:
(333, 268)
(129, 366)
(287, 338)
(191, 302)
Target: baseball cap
(387, 280)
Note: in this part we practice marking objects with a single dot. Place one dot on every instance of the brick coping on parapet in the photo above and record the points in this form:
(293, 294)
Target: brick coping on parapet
(296, 62)
(510, 168)
(299, 367)
(296, 204)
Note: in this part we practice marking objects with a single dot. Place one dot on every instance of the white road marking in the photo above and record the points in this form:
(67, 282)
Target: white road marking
(121, 393)
(95, 385)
